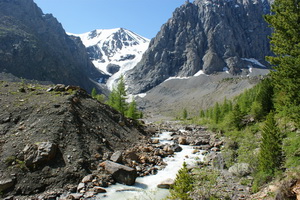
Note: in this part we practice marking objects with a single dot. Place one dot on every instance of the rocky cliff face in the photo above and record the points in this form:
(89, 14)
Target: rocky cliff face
(35, 46)
(208, 35)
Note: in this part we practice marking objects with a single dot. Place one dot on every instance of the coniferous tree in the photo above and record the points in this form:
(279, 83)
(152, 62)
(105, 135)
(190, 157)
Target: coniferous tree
(235, 118)
(256, 110)
(132, 111)
(118, 96)
(226, 107)
(285, 40)
(183, 184)
(216, 113)
(202, 114)
(270, 156)
(265, 95)
(94, 93)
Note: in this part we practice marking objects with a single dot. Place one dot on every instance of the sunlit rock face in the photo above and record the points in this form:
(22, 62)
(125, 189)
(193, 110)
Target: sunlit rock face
(208, 35)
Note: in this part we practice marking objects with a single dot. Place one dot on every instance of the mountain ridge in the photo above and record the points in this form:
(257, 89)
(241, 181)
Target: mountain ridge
(211, 35)
(34, 45)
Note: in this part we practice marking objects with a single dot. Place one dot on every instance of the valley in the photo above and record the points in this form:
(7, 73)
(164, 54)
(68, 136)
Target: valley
(207, 109)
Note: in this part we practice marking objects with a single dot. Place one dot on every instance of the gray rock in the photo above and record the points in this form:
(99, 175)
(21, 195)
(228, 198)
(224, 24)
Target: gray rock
(112, 68)
(80, 186)
(182, 140)
(176, 148)
(6, 184)
(166, 184)
(116, 157)
(39, 153)
(121, 173)
(168, 149)
(87, 178)
(240, 169)
(75, 196)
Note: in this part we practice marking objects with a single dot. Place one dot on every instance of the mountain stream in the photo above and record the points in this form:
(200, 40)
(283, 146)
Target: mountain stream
(145, 188)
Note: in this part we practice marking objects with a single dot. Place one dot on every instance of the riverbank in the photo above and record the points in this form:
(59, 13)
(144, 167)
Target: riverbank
(155, 161)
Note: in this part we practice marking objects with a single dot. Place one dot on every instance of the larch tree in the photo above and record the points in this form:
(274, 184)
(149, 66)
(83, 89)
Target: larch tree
(118, 96)
(285, 43)
(270, 156)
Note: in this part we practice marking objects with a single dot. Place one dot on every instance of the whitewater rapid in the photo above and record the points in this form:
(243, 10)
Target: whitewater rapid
(145, 188)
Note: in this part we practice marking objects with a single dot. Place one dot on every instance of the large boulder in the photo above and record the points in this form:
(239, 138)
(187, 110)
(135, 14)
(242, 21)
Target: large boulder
(240, 169)
(166, 184)
(39, 153)
(121, 173)
(176, 148)
(117, 157)
(182, 140)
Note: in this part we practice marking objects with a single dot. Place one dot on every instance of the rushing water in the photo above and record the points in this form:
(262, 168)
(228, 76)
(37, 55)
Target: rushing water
(145, 188)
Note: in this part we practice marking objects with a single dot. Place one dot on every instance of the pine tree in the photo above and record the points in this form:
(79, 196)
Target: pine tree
(132, 111)
(118, 96)
(285, 19)
(226, 107)
(270, 156)
(235, 118)
(183, 184)
(265, 96)
(94, 93)
(202, 114)
(216, 113)
(256, 110)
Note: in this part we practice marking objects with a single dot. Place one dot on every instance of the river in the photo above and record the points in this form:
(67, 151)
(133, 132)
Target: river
(145, 188)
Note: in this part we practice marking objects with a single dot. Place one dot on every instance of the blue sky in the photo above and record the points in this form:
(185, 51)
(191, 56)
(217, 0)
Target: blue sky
(145, 17)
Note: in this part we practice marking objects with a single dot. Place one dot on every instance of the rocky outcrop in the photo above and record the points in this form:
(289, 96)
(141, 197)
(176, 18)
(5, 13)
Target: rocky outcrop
(35, 46)
(210, 35)
(240, 169)
(121, 173)
(39, 153)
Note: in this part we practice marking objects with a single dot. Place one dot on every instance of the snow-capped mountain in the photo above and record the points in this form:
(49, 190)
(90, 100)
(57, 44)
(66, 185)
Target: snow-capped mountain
(114, 51)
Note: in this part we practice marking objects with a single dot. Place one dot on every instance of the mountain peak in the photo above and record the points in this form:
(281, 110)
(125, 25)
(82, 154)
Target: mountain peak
(208, 35)
(114, 51)
(35, 46)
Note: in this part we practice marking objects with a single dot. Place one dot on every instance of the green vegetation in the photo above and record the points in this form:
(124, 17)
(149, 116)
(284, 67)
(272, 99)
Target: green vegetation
(98, 97)
(183, 184)
(12, 161)
(261, 126)
(206, 182)
(184, 114)
(270, 155)
(117, 100)
(286, 46)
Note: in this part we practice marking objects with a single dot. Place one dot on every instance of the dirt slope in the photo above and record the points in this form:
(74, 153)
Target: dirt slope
(49, 139)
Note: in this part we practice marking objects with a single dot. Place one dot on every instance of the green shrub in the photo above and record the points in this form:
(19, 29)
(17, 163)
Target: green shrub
(183, 184)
